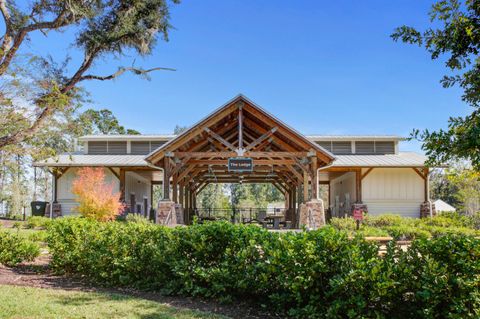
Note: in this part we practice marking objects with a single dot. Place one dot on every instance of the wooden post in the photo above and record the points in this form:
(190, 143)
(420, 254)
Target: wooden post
(166, 178)
(305, 186)
(427, 184)
(122, 184)
(181, 195)
(294, 204)
(358, 185)
(175, 189)
(240, 126)
(55, 189)
(314, 178)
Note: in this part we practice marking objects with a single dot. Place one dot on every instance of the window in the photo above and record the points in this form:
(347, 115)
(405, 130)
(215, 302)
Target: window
(365, 148)
(140, 148)
(342, 147)
(117, 148)
(384, 148)
(326, 145)
(107, 147)
(97, 147)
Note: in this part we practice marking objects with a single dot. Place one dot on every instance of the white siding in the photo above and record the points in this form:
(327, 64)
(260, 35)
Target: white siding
(393, 190)
(64, 189)
(135, 184)
(341, 186)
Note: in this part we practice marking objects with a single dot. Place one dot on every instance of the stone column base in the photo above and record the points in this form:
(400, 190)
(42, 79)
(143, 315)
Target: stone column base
(425, 210)
(312, 215)
(179, 213)
(166, 213)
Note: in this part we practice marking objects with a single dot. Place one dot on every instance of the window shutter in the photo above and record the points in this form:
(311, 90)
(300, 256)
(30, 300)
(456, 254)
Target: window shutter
(140, 148)
(155, 144)
(117, 148)
(97, 148)
(326, 145)
(384, 148)
(342, 147)
(365, 147)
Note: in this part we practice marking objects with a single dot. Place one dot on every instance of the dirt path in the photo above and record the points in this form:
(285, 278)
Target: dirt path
(39, 275)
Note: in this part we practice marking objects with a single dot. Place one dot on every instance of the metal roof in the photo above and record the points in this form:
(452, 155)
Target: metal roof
(168, 137)
(146, 137)
(402, 159)
(67, 160)
(318, 138)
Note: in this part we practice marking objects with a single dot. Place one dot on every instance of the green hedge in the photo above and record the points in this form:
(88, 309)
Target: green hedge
(410, 228)
(317, 274)
(15, 249)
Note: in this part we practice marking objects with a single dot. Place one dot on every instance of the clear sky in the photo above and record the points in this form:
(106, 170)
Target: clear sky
(324, 67)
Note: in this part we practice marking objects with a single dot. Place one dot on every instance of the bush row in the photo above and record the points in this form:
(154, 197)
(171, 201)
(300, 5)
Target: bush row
(318, 274)
(410, 228)
(15, 249)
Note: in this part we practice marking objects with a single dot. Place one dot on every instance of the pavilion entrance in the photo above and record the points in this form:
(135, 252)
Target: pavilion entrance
(239, 143)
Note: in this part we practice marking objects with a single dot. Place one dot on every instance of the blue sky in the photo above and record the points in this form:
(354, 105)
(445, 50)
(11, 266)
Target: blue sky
(324, 67)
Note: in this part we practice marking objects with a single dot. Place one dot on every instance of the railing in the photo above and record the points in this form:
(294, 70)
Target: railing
(238, 215)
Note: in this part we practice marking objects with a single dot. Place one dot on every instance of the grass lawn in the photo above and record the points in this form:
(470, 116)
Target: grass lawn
(27, 302)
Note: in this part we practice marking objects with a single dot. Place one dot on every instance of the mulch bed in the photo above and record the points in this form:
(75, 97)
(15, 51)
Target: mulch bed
(38, 274)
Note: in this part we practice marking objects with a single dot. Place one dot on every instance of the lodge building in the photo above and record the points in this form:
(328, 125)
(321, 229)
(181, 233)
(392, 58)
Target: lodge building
(240, 142)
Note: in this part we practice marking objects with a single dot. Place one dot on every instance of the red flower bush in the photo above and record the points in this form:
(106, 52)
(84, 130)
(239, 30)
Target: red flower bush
(95, 196)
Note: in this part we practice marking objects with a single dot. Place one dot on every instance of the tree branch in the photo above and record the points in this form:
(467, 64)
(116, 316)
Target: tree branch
(121, 71)
(7, 38)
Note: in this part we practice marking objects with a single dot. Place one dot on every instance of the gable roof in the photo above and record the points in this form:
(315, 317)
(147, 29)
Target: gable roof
(227, 109)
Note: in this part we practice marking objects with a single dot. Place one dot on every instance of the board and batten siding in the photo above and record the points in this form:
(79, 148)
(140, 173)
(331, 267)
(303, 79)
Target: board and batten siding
(64, 189)
(138, 186)
(393, 190)
(342, 187)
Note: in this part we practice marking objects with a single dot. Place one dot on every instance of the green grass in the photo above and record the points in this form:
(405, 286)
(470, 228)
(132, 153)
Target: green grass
(27, 302)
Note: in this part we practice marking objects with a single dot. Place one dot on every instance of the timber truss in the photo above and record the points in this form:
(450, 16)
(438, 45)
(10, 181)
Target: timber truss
(281, 156)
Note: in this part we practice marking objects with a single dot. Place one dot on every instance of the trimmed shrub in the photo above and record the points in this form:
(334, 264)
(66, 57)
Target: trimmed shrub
(37, 222)
(317, 274)
(15, 249)
(404, 232)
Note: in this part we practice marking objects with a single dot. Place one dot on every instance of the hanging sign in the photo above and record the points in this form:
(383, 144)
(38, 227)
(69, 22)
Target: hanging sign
(240, 164)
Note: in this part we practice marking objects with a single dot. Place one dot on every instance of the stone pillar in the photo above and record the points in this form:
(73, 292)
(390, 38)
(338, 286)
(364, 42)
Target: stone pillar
(425, 210)
(166, 213)
(312, 214)
(179, 213)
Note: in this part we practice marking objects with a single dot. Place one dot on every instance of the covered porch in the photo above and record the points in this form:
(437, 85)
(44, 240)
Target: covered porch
(240, 143)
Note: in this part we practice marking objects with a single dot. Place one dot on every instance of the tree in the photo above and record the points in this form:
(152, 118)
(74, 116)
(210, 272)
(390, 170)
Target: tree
(96, 199)
(179, 129)
(467, 182)
(455, 36)
(104, 27)
(101, 122)
(442, 187)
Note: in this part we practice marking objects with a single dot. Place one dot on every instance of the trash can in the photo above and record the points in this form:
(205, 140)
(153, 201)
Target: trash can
(38, 208)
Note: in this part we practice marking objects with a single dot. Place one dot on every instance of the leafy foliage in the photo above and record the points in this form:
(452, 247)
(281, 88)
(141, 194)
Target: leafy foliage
(318, 274)
(411, 228)
(15, 249)
(96, 198)
(454, 36)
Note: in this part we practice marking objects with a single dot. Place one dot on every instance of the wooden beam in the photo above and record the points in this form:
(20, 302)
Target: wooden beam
(262, 138)
(240, 126)
(166, 179)
(366, 173)
(358, 185)
(121, 178)
(305, 186)
(255, 162)
(422, 175)
(314, 177)
(114, 173)
(220, 139)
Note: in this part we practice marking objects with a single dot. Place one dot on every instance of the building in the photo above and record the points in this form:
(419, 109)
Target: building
(242, 143)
